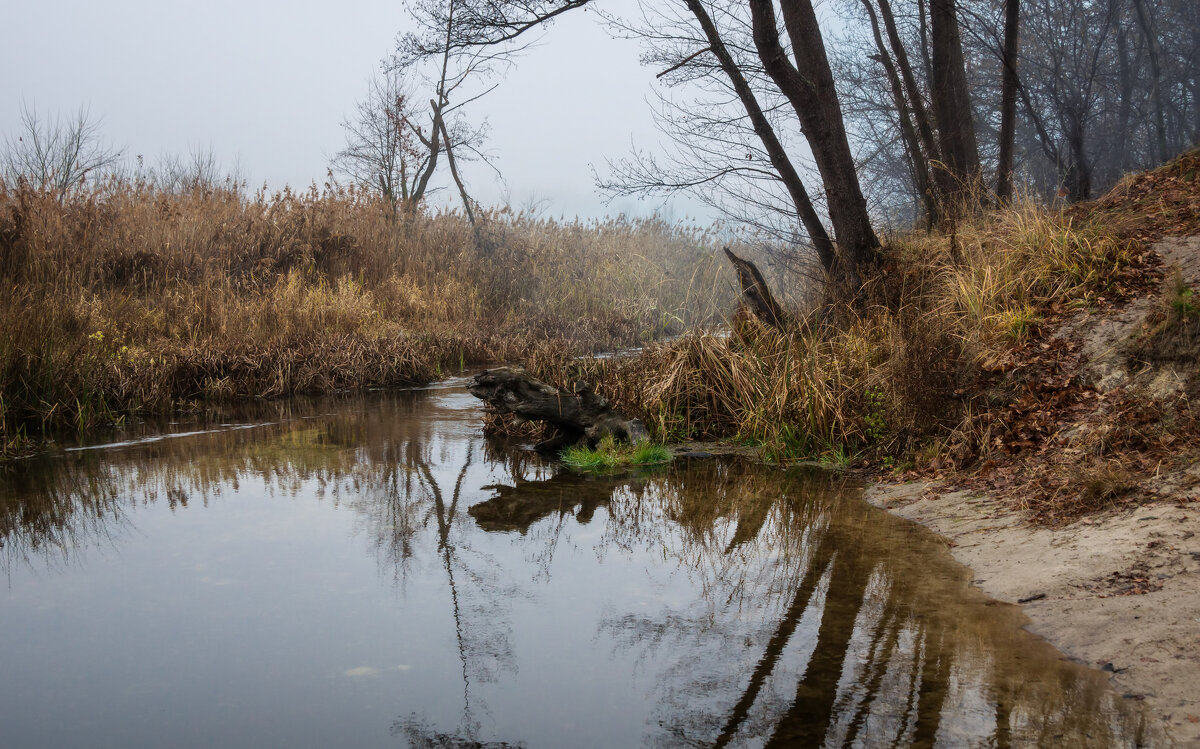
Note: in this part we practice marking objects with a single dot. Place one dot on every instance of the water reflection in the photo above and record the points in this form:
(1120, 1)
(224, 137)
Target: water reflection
(711, 604)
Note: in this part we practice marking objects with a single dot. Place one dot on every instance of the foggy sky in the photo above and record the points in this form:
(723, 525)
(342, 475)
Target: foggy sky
(265, 84)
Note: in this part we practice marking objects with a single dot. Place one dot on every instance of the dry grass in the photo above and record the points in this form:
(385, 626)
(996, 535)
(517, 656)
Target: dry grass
(903, 374)
(123, 298)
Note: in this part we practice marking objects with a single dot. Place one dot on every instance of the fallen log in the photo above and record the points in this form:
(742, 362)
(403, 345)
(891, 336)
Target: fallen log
(756, 295)
(578, 414)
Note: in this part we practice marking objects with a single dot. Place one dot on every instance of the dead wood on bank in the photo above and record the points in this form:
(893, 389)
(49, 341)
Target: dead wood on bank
(756, 295)
(578, 413)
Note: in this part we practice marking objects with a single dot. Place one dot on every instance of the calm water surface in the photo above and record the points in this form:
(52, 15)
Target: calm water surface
(372, 572)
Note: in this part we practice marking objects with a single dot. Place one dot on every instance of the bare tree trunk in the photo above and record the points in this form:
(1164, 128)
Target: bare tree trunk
(1125, 108)
(912, 146)
(437, 107)
(809, 88)
(462, 190)
(756, 295)
(1160, 129)
(775, 150)
(939, 178)
(1196, 81)
(1048, 147)
(952, 103)
(1078, 178)
(926, 57)
(1008, 101)
(434, 144)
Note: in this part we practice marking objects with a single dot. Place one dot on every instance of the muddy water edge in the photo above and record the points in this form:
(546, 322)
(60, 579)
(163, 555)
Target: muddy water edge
(371, 571)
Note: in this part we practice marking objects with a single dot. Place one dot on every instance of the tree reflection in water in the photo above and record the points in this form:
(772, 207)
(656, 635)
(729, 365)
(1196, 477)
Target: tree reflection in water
(810, 619)
(824, 622)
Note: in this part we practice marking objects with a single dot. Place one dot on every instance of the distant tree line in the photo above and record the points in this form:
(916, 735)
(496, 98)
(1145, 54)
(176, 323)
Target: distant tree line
(813, 130)
(1066, 96)
(818, 129)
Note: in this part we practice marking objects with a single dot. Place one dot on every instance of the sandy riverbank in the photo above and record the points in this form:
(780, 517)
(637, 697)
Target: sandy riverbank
(1119, 592)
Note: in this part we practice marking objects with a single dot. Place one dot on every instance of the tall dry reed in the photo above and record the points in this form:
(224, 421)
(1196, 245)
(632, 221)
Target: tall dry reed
(124, 297)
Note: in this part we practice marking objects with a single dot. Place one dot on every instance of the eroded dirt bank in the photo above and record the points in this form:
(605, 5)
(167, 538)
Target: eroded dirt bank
(1117, 589)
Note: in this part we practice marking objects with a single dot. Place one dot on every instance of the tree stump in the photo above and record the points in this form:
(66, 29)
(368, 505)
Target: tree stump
(756, 295)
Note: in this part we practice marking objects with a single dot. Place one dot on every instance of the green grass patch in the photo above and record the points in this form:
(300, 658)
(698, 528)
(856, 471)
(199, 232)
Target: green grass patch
(610, 456)
(646, 453)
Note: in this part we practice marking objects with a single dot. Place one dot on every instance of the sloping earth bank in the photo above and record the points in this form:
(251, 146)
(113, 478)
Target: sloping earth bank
(1117, 589)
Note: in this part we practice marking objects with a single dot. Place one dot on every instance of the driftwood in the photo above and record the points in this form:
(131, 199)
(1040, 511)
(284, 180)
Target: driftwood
(578, 413)
(756, 295)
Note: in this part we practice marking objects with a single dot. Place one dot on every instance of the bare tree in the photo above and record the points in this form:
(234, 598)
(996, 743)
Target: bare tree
(1146, 24)
(200, 169)
(57, 153)
(1008, 100)
(1063, 86)
(809, 88)
(730, 144)
(952, 103)
(382, 153)
(459, 73)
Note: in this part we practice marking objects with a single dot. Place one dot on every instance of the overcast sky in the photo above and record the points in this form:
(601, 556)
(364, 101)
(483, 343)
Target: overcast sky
(266, 83)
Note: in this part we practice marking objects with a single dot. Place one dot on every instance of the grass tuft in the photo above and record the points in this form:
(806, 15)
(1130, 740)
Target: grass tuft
(609, 455)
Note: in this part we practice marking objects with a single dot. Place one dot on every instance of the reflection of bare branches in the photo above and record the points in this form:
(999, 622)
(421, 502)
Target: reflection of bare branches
(485, 650)
(421, 735)
(790, 613)
(806, 597)
(53, 506)
(856, 646)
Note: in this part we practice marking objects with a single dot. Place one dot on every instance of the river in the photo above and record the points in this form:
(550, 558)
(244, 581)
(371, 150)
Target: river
(371, 571)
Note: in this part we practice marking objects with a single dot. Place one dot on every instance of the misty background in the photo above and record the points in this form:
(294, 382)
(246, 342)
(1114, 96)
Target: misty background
(264, 86)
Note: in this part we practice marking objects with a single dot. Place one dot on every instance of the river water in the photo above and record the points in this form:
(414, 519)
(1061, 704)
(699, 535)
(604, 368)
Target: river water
(371, 571)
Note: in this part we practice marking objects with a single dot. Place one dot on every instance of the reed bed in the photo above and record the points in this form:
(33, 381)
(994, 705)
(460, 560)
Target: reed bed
(125, 298)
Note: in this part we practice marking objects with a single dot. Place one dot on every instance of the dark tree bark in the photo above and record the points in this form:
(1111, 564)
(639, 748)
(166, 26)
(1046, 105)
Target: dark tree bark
(762, 127)
(952, 103)
(1008, 100)
(462, 189)
(578, 413)
(1195, 86)
(940, 178)
(1160, 128)
(434, 144)
(926, 57)
(1125, 108)
(912, 146)
(1078, 177)
(809, 88)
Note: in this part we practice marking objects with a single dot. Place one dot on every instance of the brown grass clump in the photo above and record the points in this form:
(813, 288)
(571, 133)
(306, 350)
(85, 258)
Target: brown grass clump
(948, 361)
(125, 298)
